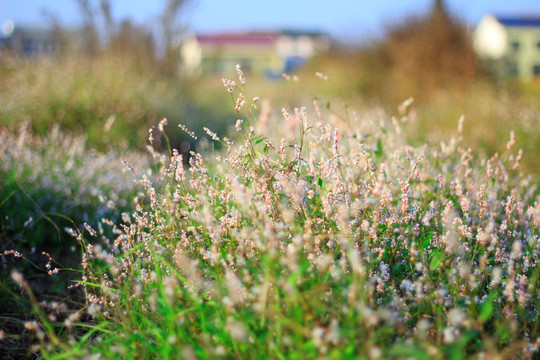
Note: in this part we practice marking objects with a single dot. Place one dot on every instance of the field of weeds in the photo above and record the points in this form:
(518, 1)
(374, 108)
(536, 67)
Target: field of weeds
(49, 183)
(111, 99)
(305, 234)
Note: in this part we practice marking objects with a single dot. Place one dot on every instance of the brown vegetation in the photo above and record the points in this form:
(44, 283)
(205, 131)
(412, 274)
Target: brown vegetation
(430, 53)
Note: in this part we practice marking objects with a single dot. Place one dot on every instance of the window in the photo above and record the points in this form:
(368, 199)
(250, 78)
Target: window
(515, 46)
(536, 70)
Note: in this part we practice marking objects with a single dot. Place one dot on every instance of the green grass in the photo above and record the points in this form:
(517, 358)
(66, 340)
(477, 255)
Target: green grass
(47, 184)
(300, 240)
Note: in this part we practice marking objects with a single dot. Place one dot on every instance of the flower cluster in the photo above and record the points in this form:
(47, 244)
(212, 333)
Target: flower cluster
(313, 241)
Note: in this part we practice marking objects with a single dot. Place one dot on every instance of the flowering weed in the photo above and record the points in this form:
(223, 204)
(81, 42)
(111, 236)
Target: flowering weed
(306, 240)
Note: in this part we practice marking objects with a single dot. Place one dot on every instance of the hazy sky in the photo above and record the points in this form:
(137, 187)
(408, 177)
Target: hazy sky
(348, 19)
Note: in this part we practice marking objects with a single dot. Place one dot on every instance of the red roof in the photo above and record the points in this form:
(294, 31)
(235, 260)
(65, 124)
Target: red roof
(233, 38)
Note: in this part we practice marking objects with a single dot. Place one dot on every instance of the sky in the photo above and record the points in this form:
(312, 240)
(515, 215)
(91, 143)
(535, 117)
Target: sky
(349, 20)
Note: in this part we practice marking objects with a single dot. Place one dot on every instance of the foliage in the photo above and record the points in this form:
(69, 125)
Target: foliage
(431, 60)
(417, 57)
(305, 240)
(431, 53)
(49, 183)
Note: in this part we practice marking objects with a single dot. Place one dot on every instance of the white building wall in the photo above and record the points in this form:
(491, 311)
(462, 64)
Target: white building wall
(490, 38)
(191, 53)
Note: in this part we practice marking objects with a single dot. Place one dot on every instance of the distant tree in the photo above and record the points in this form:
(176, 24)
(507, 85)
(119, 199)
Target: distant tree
(89, 29)
(439, 9)
(105, 7)
(128, 37)
(429, 53)
(133, 40)
(58, 33)
(171, 28)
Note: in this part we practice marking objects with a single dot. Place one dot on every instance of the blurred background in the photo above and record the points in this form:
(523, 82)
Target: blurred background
(110, 69)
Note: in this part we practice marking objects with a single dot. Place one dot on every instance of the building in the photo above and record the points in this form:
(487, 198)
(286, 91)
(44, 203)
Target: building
(260, 53)
(512, 41)
(28, 41)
